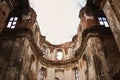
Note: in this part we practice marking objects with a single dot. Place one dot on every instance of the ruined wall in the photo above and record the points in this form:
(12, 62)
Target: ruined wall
(93, 62)
(91, 55)
(17, 58)
(112, 54)
(112, 12)
(50, 51)
(4, 12)
(101, 64)
(93, 59)
(25, 64)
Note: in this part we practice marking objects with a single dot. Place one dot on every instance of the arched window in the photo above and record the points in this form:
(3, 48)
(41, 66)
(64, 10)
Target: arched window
(56, 78)
(103, 21)
(43, 73)
(31, 62)
(59, 55)
(44, 50)
(76, 74)
(75, 70)
(12, 22)
(73, 49)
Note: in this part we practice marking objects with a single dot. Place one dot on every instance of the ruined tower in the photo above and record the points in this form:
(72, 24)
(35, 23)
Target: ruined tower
(93, 53)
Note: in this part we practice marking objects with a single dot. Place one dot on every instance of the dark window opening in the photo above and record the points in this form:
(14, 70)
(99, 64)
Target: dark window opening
(3, 13)
(103, 21)
(42, 73)
(31, 61)
(12, 22)
(56, 78)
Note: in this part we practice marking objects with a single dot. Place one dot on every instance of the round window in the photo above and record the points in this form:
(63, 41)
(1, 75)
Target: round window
(59, 55)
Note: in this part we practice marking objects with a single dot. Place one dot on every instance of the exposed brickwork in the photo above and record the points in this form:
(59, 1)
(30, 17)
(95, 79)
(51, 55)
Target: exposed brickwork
(93, 53)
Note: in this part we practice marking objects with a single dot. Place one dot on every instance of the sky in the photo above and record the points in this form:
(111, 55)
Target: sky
(58, 19)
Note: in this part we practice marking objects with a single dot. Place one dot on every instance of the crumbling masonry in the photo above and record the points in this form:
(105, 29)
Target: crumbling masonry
(93, 53)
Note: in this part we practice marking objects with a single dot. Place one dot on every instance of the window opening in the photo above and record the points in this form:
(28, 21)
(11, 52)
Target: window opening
(56, 78)
(42, 73)
(76, 73)
(73, 49)
(12, 22)
(59, 55)
(103, 21)
(43, 51)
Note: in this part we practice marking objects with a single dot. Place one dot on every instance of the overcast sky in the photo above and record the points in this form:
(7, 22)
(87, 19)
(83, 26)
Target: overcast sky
(58, 19)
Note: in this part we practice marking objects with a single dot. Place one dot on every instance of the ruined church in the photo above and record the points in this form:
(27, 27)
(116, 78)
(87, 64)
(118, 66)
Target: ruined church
(93, 53)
